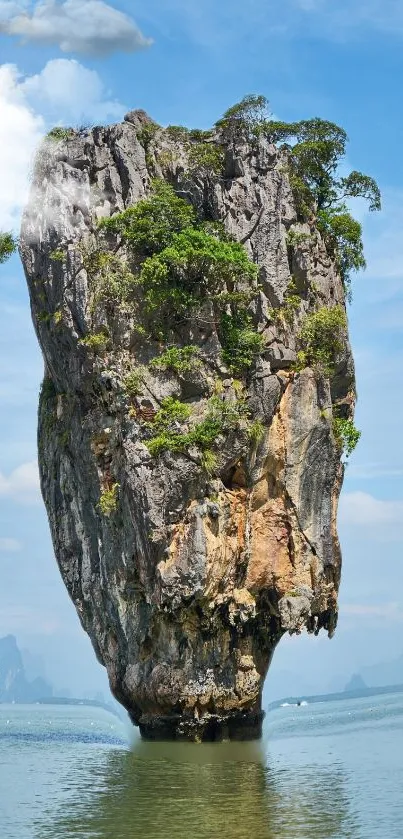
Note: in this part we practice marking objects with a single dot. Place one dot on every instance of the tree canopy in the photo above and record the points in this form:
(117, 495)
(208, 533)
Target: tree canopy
(8, 246)
(314, 151)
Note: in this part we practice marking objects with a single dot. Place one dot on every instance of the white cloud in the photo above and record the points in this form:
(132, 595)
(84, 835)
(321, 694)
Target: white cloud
(384, 611)
(22, 485)
(362, 509)
(8, 545)
(67, 87)
(64, 91)
(89, 27)
(20, 132)
(371, 471)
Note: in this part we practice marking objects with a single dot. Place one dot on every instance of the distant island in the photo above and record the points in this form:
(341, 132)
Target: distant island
(16, 688)
(14, 685)
(114, 709)
(361, 693)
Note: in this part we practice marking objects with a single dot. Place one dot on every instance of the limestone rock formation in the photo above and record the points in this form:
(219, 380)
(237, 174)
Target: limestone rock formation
(14, 685)
(185, 577)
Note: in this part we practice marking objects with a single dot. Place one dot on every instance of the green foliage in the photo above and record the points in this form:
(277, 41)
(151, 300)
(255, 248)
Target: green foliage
(244, 118)
(180, 264)
(178, 359)
(166, 158)
(343, 236)
(167, 425)
(178, 133)
(48, 390)
(171, 412)
(108, 501)
(132, 383)
(295, 238)
(96, 343)
(8, 246)
(194, 266)
(59, 133)
(314, 161)
(220, 418)
(147, 133)
(316, 155)
(275, 131)
(240, 341)
(209, 461)
(321, 338)
(206, 159)
(357, 185)
(317, 147)
(256, 431)
(198, 135)
(346, 435)
(151, 224)
(286, 313)
(58, 256)
(111, 280)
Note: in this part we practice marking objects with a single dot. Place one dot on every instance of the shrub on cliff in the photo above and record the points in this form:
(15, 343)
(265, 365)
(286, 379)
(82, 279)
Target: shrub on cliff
(194, 267)
(322, 338)
(8, 246)
(151, 224)
(316, 149)
(346, 435)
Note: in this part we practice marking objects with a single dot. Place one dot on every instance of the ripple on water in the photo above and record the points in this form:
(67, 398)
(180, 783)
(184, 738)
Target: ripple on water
(322, 773)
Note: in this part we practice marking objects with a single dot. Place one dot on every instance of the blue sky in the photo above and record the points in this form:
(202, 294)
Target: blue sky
(84, 61)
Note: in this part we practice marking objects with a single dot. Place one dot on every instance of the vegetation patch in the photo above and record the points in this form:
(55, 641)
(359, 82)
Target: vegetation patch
(133, 383)
(346, 435)
(316, 148)
(108, 501)
(178, 359)
(220, 418)
(59, 133)
(8, 246)
(97, 343)
(240, 340)
(206, 159)
(58, 256)
(322, 338)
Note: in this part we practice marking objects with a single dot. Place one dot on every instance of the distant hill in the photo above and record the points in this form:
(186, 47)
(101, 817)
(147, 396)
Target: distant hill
(384, 673)
(356, 683)
(336, 697)
(14, 685)
(113, 708)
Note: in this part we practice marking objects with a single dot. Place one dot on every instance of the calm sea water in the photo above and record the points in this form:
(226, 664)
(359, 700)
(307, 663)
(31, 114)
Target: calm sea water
(325, 771)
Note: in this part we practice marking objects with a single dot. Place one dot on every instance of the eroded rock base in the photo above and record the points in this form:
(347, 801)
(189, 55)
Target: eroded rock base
(210, 728)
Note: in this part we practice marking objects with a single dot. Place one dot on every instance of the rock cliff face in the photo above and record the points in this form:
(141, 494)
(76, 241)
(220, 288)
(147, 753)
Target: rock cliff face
(188, 578)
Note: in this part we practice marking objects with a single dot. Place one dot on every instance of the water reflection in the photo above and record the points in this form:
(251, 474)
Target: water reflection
(180, 791)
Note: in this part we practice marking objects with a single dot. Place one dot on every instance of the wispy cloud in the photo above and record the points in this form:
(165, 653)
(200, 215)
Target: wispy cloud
(66, 87)
(362, 509)
(88, 27)
(352, 18)
(384, 611)
(22, 485)
(64, 91)
(211, 23)
(20, 132)
(9, 546)
(371, 471)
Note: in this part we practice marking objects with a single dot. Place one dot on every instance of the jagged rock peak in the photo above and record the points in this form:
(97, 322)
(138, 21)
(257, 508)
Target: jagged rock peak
(188, 462)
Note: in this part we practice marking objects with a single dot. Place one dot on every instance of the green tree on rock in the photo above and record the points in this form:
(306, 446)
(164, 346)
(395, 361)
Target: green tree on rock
(8, 246)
